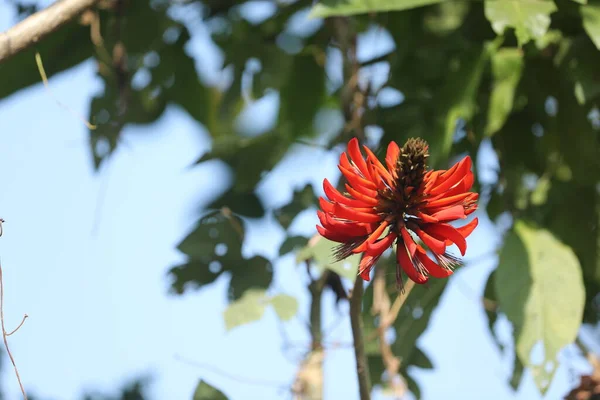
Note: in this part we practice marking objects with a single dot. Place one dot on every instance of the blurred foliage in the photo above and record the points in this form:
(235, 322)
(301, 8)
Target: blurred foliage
(521, 76)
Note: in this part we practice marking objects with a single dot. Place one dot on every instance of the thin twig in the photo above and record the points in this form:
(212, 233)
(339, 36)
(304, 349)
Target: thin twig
(237, 378)
(362, 367)
(20, 325)
(5, 335)
(42, 71)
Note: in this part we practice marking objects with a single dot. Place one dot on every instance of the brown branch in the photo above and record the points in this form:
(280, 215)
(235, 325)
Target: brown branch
(39, 25)
(356, 321)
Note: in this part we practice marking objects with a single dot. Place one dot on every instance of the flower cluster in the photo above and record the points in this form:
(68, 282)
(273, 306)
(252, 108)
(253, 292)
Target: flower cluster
(398, 204)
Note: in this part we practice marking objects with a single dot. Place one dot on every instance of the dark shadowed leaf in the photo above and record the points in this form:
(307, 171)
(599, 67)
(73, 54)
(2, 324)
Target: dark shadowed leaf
(244, 204)
(330, 8)
(292, 243)
(256, 272)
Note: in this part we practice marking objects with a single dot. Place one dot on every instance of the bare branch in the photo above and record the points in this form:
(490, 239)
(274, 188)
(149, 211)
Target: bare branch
(39, 25)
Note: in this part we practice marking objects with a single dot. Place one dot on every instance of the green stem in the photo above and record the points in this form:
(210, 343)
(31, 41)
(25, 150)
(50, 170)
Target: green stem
(362, 367)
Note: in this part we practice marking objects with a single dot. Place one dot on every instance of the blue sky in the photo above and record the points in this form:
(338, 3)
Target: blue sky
(85, 255)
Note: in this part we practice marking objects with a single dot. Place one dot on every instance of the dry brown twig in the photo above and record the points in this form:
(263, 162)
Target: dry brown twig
(6, 334)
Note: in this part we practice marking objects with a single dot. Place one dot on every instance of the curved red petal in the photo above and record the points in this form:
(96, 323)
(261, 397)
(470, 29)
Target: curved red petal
(391, 156)
(372, 237)
(378, 247)
(431, 266)
(335, 195)
(352, 214)
(407, 265)
(448, 232)
(447, 201)
(357, 157)
(452, 176)
(436, 245)
(467, 229)
(356, 180)
(378, 166)
(363, 194)
(450, 213)
(333, 236)
(326, 205)
(365, 266)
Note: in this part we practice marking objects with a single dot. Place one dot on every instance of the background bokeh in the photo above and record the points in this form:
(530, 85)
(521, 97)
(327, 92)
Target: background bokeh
(102, 244)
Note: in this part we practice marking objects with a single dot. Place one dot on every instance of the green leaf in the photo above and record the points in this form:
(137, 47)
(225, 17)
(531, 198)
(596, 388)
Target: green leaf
(204, 391)
(517, 373)
(246, 204)
(489, 297)
(249, 308)
(285, 306)
(332, 8)
(248, 157)
(301, 96)
(214, 247)
(535, 269)
(292, 243)
(507, 65)
(321, 253)
(591, 22)
(301, 200)
(530, 18)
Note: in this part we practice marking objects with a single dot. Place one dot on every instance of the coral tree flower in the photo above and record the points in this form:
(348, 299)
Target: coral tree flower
(395, 205)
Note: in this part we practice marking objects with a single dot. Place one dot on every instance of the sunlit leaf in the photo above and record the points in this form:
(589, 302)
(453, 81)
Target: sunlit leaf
(249, 308)
(530, 19)
(321, 251)
(506, 70)
(285, 306)
(330, 8)
(591, 22)
(535, 269)
(204, 391)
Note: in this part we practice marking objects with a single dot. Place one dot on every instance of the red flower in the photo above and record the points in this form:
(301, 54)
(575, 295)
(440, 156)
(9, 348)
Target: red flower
(395, 204)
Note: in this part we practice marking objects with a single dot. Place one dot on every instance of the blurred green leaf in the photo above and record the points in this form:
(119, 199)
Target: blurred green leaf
(248, 157)
(204, 391)
(292, 243)
(285, 306)
(214, 247)
(534, 270)
(507, 64)
(530, 19)
(489, 299)
(245, 204)
(301, 200)
(301, 96)
(249, 308)
(331, 8)
(517, 373)
(321, 253)
(591, 21)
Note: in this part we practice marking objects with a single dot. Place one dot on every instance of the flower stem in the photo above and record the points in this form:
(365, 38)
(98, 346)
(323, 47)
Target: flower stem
(362, 367)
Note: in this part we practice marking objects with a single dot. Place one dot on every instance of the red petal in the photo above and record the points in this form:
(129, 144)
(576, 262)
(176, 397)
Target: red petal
(466, 230)
(426, 218)
(437, 246)
(375, 249)
(447, 200)
(350, 229)
(356, 180)
(326, 205)
(351, 214)
(434, 269)
(357, 158)
(407, 265)
(365, 266)
(452, 176)
(335, 195)
(450, 213)
(363, 194)
(333, 236)
(378, 165)
(372, 237)
(391, 157)
(448, 232)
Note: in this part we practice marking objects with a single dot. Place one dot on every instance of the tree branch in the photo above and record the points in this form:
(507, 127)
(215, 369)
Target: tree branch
(362, 367)
(39, 25)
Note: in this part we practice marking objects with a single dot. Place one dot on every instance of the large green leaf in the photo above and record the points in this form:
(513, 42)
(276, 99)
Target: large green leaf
(321, 253)
(507, 65)
(591, 21)
(535, 270)
(214, 247)
(242, 203)
(331, 8)
(285, 306)
(204, 391)
(530, 18)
